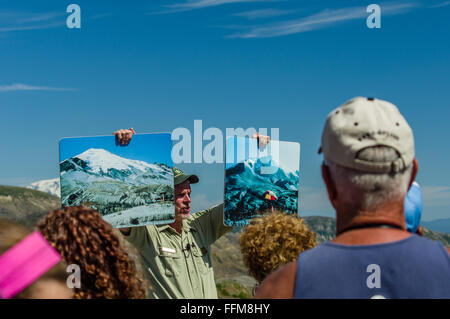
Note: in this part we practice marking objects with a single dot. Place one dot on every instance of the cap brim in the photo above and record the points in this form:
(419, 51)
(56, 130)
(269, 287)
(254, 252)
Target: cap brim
(193, 179)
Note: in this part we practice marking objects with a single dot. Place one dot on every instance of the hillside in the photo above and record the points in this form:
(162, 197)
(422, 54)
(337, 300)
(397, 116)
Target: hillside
(25, 205)
(28, 206)
(232, 279)
(325, 227)
(443, 238)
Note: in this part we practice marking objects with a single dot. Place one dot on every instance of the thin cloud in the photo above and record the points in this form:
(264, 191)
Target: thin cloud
(25, 87)
(21, 21)
(320, 20)
(440, 5)
(263, 13)
(31, 27)
(40, 17)
(200, 4)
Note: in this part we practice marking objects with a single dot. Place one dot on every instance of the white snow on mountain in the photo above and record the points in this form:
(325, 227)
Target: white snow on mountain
(99, 162)
(130, 192)
(102, 160)
(50, 186)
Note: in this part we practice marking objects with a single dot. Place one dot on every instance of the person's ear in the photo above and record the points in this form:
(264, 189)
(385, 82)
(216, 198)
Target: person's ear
(419, 231)
(415, 169)
(331, 188)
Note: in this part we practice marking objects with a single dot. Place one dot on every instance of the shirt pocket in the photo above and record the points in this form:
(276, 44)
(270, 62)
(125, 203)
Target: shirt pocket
(170, 262)
(201, 259)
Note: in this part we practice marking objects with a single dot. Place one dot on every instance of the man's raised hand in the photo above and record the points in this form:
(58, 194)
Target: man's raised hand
(263, 140)
(124, 136)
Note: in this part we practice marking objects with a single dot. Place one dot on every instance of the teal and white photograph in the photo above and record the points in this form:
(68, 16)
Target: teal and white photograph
(128, 185)
(260, 180)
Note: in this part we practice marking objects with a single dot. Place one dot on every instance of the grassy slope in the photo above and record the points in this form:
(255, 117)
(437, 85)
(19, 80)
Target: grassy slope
(25, 205)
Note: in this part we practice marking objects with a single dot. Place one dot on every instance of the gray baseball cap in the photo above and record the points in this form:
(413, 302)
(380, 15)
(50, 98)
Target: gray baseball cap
(366, 122)
(180, 177)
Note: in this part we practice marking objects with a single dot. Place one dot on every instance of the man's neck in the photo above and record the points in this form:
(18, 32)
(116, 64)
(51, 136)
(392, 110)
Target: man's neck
(356, 226)
(177, 225)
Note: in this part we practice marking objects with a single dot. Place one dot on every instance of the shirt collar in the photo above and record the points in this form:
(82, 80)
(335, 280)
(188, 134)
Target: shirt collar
(186, 227)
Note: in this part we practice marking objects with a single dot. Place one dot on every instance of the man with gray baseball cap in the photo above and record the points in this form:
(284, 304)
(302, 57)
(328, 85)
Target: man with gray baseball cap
(369, 165)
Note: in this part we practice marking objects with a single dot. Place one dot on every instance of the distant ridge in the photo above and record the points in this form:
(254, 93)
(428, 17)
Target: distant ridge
(50, 186)
(441, 225)
(325, 228)
(24, 205)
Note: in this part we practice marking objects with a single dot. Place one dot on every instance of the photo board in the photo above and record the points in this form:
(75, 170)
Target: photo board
(128, 185)
(260, 180)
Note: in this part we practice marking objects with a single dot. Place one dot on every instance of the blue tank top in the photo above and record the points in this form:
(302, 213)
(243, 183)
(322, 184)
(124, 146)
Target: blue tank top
(414, 267)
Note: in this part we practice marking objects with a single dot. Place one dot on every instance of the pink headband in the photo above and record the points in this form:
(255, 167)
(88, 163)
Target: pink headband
(25, 262)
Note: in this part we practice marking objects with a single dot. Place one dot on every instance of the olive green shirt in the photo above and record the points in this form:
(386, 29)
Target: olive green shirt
(180, 266)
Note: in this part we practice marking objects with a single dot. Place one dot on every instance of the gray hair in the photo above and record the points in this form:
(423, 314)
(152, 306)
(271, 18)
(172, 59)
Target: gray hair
(367, 191)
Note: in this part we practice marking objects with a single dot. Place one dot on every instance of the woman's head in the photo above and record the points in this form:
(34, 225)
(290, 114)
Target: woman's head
(273, 240)
(52, 284)
(83, 238)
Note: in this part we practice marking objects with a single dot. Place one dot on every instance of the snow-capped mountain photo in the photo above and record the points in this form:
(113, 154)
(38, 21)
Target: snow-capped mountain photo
(126, 191)
(50, 186)
(256, 185)
(106, 165)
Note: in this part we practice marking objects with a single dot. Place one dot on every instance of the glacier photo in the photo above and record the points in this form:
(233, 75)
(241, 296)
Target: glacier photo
(126, 192)
(260, 184)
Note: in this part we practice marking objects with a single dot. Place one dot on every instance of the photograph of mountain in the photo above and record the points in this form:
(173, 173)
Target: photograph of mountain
(128, 185)
(260, 180)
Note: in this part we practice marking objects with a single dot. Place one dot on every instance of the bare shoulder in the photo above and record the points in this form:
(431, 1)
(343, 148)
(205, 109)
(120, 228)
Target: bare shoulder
(280, 284)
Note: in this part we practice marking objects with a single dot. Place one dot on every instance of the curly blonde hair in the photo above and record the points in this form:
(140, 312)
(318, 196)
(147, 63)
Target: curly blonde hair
(82, 237)
(273, 240)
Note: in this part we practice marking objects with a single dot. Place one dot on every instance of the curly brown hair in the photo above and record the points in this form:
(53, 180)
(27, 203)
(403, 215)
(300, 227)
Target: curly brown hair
(82, 237)
(273, 240)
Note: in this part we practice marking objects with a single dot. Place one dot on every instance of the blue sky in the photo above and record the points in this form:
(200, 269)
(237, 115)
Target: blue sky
(159, 65)
(150, 148)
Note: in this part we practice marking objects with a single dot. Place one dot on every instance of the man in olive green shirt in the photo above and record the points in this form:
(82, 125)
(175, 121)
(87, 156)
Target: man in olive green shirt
(179, 265)
(177, 256)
